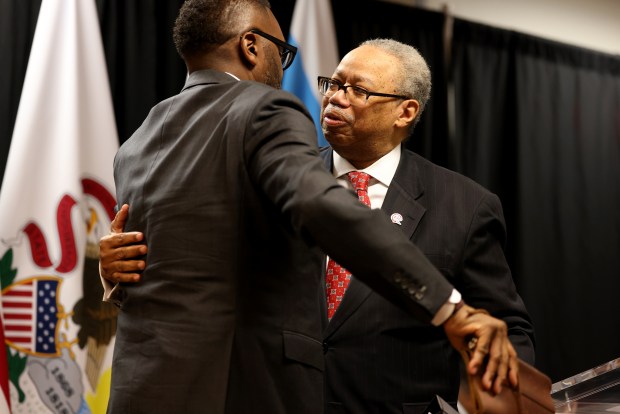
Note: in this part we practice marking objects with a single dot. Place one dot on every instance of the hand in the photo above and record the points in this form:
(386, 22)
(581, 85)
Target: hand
(118, 251)
(491, 339)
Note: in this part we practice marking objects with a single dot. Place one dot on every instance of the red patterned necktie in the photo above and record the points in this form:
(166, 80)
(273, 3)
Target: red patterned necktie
(337, 278)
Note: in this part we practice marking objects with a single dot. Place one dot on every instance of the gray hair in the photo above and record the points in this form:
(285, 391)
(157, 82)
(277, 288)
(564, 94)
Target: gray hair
(414, 75)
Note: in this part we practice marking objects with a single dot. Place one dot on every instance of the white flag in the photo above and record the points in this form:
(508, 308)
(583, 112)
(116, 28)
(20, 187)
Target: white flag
(56, 202)
(312, 31)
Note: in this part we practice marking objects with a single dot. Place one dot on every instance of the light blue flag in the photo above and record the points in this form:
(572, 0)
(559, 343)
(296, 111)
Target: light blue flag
(312, 31)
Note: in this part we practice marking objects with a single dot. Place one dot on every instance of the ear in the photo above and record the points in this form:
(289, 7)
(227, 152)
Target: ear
(409, 109)
(248, 49)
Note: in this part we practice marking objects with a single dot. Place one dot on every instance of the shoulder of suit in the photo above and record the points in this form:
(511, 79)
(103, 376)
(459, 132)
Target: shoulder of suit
(255, 91)
(430, 172)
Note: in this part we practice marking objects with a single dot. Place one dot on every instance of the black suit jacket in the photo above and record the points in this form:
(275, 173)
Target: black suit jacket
(378, 358)
(226, 183)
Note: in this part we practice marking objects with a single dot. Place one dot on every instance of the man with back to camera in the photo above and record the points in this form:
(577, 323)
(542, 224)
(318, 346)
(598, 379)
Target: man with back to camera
(226, 185)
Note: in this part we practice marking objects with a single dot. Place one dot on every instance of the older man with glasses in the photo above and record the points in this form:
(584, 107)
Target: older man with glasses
(228, 190)
(378, 358)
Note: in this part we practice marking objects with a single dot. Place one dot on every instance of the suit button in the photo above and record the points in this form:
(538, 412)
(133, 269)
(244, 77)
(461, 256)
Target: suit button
(325, 347)
(398, 277)
(420, 293)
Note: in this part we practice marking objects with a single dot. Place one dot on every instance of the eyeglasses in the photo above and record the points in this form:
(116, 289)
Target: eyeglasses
(287, 52)
(328, 87)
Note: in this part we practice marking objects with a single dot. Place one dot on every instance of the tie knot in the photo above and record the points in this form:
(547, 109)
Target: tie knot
(359, 180)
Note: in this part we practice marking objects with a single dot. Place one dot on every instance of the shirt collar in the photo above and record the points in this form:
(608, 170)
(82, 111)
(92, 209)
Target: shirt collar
(382, 170)
(228, 73)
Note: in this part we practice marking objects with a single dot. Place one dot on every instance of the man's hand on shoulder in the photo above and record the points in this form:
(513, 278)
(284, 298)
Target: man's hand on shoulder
(119, 253)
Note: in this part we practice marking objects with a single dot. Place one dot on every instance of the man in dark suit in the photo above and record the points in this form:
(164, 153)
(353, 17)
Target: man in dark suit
(378, 358)
(226, 184)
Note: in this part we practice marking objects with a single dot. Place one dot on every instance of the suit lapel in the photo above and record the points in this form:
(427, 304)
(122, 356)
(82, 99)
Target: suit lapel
(404, 194)
(402, 198)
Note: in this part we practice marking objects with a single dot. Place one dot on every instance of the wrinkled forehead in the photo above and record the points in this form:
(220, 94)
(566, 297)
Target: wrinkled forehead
(368, 65)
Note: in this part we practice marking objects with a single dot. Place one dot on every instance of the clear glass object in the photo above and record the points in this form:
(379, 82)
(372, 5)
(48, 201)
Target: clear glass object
(595, 391)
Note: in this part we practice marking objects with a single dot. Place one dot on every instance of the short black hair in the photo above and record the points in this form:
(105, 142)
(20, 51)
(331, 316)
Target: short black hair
(204, 24)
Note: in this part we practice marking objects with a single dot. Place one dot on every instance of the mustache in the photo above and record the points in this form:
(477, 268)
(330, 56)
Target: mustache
(335, 112)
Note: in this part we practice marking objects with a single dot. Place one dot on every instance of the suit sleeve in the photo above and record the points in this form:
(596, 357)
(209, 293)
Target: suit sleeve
(487, 281)
(283, 162)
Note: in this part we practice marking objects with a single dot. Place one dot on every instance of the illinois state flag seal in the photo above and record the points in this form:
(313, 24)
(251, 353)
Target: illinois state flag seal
(56, 202)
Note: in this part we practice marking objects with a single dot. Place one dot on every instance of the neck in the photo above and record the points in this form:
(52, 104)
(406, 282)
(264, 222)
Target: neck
(221, 59)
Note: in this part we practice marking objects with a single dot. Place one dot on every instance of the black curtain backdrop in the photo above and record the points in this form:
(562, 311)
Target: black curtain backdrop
(538, 122)
(535, 121)
(17, 23)
(568, 123)
(143, 65)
